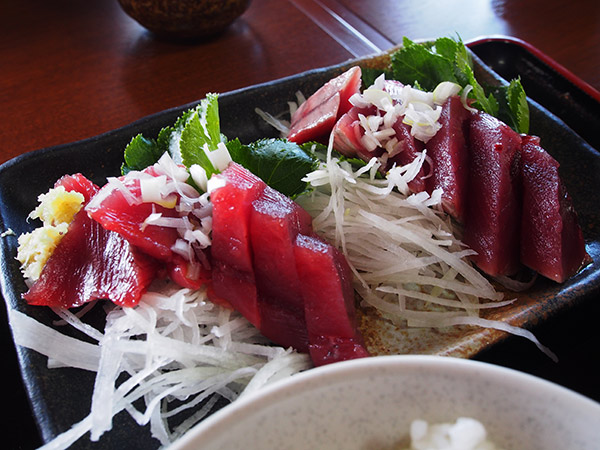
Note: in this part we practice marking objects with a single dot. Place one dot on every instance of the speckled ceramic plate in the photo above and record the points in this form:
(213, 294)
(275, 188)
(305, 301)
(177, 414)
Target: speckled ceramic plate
(365, 404)
(62, 397)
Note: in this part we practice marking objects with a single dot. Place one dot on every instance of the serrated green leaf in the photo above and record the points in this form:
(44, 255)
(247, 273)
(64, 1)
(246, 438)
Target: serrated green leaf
(279, 163)
(446, 47)
(417, 63)
(201, 133)
(169, 137)
(140, 153)
(192, 145)
(446, 59)
(517, 103)
(209, 112)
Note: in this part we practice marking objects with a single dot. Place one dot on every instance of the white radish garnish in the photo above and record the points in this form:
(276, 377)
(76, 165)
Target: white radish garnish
(174, 347)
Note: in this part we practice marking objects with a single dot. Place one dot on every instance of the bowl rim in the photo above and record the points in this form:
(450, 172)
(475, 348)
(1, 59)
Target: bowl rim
(222, 420)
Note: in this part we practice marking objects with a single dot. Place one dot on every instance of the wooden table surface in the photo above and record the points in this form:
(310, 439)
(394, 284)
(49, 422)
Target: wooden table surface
(72, 69)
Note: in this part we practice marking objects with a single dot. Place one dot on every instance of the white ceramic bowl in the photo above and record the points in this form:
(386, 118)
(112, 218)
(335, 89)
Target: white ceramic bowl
(370, 403)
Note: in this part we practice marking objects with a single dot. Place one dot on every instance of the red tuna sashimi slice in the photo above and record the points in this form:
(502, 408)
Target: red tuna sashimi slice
(317, 123)
(552, 243)
(92, 263)
(328, 301)
(409, 149)
(78, 183)
(111, 208)
(186, 274)
(449, 156)
(493, 216)
(283, 325)
(232, 205)
(348, 133)
(231, 252)
(238, 289)
(316, 117)
(275, 221)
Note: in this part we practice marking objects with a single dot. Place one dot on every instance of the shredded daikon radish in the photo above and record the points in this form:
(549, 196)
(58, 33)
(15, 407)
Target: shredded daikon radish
(281, 125)
(175, 347)
(406, 258)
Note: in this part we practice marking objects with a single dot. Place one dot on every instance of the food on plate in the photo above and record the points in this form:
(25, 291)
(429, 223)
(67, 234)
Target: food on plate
(367, 199)
(484, 168)
(492, 222)
(270, 265)
(89, 261)
(551, 240)
(317, 115)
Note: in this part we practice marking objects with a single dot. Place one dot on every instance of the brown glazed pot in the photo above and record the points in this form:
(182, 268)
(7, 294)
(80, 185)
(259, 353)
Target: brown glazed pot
(184, 19)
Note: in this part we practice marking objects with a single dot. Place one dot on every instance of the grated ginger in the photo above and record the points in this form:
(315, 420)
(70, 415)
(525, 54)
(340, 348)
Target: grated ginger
(56, 210)
(57, 206)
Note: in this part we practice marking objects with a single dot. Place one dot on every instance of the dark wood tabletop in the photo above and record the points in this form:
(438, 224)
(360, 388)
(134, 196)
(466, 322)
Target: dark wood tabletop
(72, 69)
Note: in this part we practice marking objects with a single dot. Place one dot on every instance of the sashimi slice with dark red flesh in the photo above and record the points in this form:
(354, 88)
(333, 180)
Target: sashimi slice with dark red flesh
(410, 148)
(231, 252)
(328, 302)
(232, 205)
(317, 123)
(78, 183)
(114, 212)
(283, 325)
(492, 223)
(315, 118)
(237, 288)
(187, 275)
(449, 156)
(255, 268)
(552, 243)
(275, 221)
(251, 222)
(91, 263)
(348, 133)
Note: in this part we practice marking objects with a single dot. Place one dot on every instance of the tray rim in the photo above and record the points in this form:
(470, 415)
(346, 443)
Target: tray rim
(543, 57)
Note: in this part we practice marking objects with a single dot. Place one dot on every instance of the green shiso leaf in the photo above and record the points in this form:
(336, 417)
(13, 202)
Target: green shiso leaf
(484, 102)
(171, 136)
(192, 144)
(201, 134)
(279, 163)
(425, 65)
(421, 64)
(140, 153)
(517, 103)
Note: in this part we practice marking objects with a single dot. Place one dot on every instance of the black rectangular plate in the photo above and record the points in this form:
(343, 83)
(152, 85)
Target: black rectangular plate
(61, 397)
